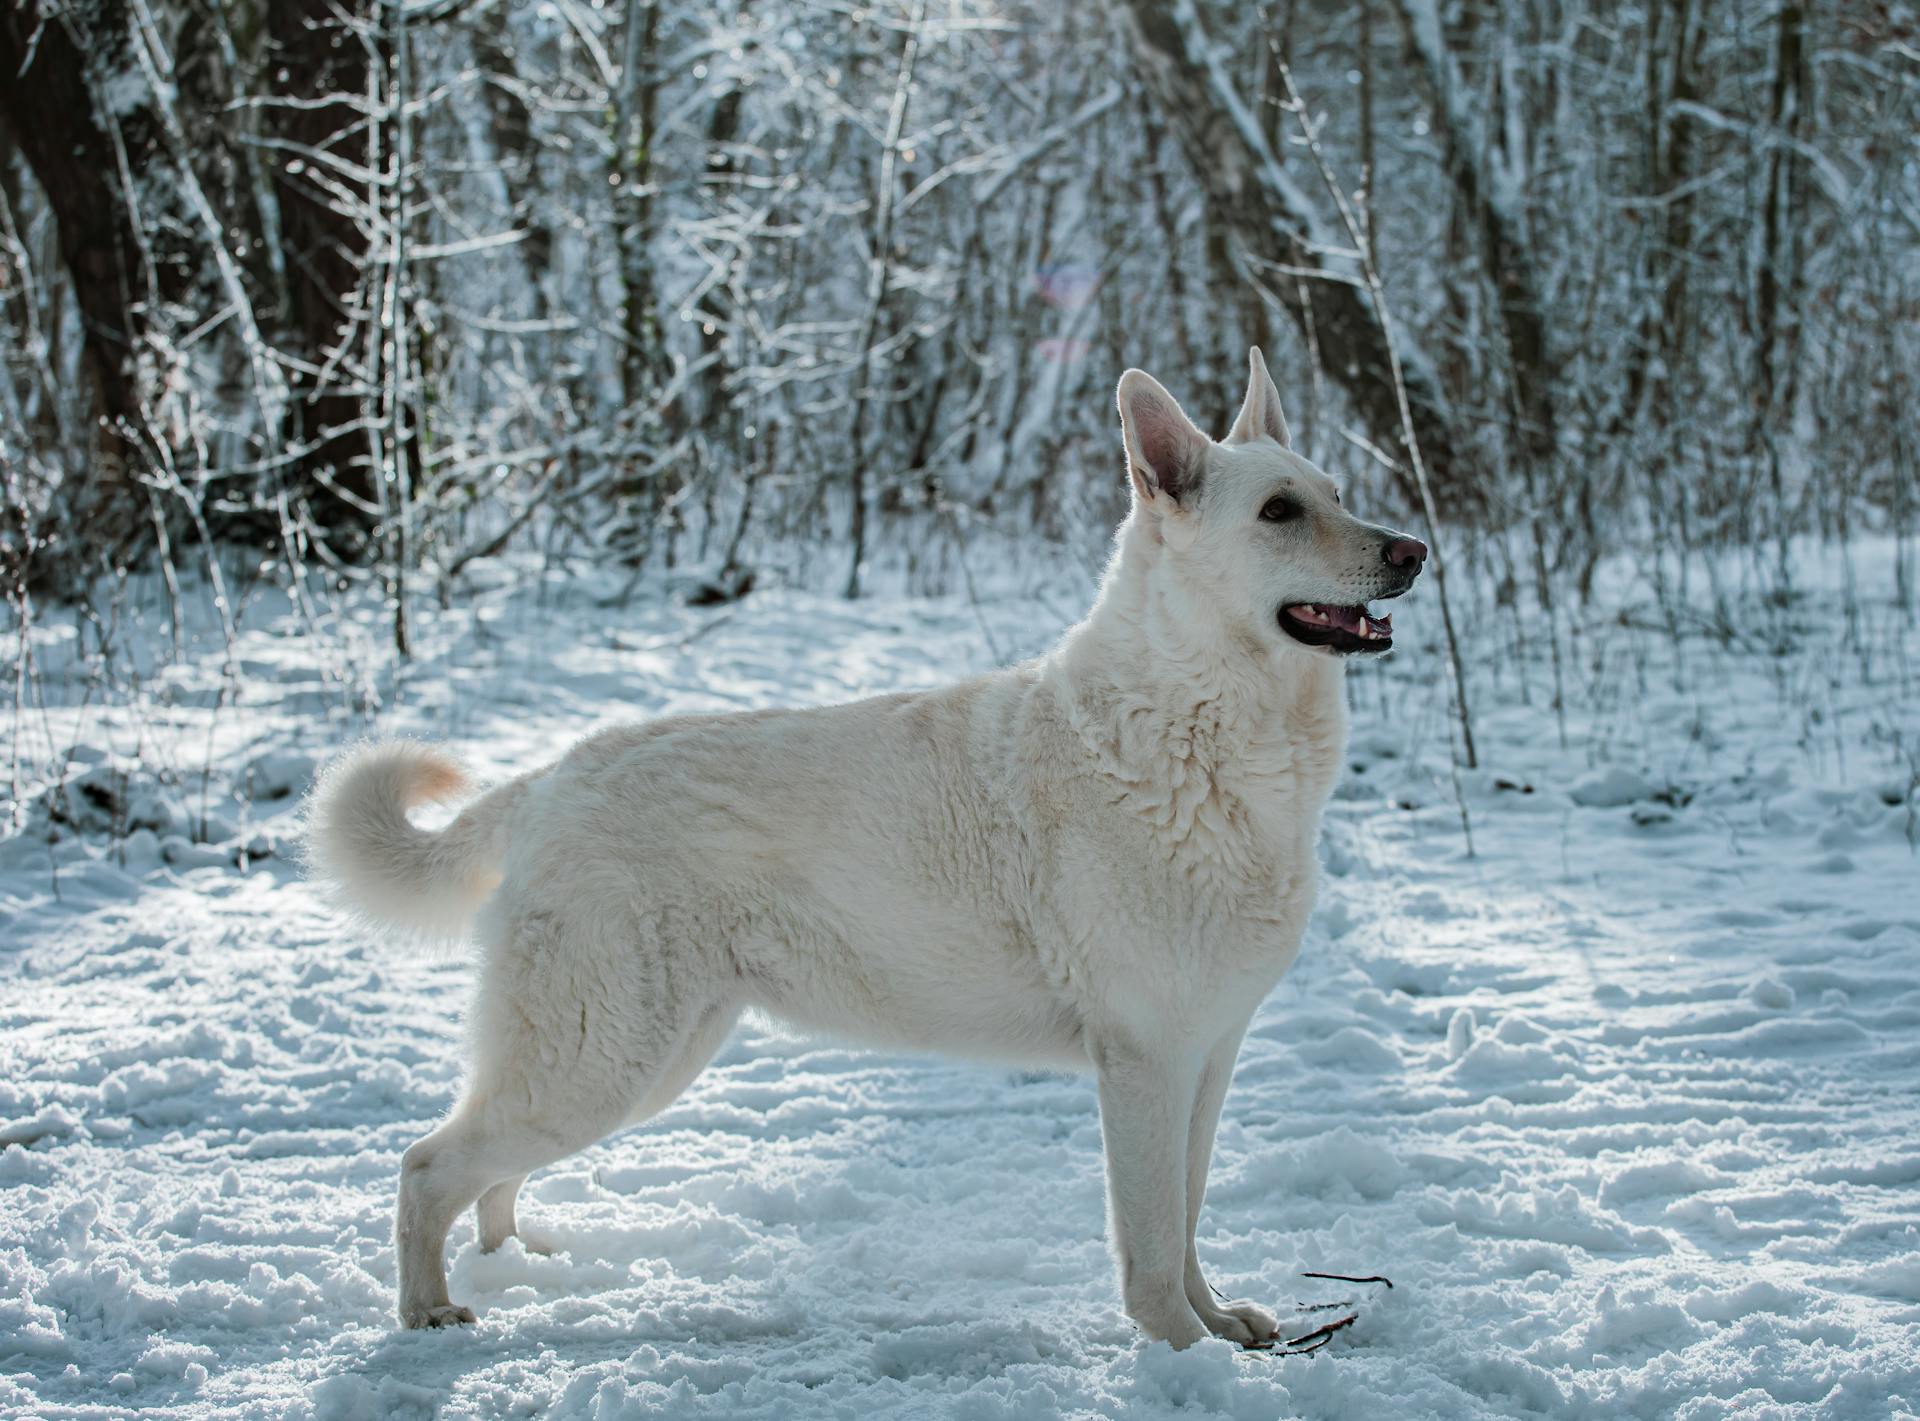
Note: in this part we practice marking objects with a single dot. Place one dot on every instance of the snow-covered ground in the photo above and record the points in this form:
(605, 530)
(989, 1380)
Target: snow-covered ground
(1626, 1103)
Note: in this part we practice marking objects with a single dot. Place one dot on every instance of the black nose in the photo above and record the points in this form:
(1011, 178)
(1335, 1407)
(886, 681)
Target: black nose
(1405, 552)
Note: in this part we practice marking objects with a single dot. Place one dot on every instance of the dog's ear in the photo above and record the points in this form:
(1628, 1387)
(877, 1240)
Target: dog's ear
(1166, 455)
(1260, 412)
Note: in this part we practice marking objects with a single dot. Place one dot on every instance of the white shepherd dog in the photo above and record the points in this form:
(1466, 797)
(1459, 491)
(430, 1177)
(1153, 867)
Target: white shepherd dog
(1102, 859)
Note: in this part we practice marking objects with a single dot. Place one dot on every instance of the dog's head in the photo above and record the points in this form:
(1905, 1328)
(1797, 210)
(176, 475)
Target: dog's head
(1253, 531)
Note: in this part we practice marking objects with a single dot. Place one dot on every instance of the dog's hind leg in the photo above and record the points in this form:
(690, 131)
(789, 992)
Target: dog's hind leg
(496, 1214)
(574, 1038)
(442, 1174)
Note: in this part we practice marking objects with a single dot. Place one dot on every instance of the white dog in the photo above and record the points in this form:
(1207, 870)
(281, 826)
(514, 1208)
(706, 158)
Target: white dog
(1102, 858)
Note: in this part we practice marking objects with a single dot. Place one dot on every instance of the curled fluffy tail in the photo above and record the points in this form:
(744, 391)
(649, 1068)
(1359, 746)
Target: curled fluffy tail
(381, 866)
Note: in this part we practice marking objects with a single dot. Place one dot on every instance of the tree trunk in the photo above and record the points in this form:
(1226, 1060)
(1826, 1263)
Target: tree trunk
(642, 357)
(1774, 315)
(1672, 54)
(1776, 286)
(131, 273)
(234, 171)
(718, 446)
(322, 182)
(651, 430)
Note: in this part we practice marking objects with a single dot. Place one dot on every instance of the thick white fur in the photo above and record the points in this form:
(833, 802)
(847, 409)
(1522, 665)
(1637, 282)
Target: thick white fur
(382, 867)
(1100, 859)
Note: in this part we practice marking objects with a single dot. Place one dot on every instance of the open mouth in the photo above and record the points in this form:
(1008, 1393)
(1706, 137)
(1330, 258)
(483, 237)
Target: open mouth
(1344, 630)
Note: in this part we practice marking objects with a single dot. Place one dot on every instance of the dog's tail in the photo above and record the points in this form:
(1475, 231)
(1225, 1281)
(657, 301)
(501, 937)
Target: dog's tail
(379, 865)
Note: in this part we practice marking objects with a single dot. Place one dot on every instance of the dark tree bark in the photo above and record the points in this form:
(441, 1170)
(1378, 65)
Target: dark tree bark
(226, 157)
(1267, 216)
(1776, 280)
(130, 271)
(643, 361)
(320, 178)
(645, 365)
(1776, 303)
(1672, 68)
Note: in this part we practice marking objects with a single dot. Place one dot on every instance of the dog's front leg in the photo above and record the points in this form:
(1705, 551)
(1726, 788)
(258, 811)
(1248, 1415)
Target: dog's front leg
(1242, 1322)
(1146, 1102)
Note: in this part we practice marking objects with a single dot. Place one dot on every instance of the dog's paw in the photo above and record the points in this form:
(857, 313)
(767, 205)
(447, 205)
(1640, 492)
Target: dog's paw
(443, 1315)
(1249, 1324)
(1178, 1328)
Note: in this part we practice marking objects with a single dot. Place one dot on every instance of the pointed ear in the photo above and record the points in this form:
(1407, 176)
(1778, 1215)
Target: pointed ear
(1166, 455)
(1260, 412)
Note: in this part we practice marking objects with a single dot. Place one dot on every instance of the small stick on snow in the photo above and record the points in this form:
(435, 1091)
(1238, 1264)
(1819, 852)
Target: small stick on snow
(1351, 1278)
(1320, 1336)
(1307, 1342)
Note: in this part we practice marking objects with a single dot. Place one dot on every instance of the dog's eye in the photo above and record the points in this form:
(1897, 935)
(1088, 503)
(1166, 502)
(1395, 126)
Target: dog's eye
(1280, 510)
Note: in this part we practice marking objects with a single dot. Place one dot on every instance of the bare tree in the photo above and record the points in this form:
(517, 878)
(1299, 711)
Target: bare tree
(391, 289)
(132, 260)
(321, 122)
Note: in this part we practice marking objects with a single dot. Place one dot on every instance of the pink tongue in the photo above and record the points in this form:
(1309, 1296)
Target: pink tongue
(1345, 618)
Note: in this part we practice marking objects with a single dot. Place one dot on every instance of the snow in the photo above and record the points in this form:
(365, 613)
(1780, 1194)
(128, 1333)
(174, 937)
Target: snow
(1624, 1103)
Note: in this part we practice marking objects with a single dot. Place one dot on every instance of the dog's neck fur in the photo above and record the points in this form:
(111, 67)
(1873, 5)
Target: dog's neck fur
(1188, 710)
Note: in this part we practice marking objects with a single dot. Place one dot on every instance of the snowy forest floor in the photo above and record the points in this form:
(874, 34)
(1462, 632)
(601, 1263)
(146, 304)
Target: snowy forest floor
(1625, 1103)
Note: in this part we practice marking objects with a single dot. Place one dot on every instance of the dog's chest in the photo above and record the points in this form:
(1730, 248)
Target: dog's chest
(1269, 817)
(1241, 833)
